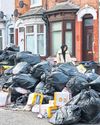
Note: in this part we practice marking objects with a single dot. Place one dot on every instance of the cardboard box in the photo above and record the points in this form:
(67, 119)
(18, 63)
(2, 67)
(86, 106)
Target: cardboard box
(35, 98)
(42, 109)
(5, 98)
(61, 98)
(51, 110)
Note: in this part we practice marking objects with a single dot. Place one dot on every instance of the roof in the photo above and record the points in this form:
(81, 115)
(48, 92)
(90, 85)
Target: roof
(63, 6)
(34, 12)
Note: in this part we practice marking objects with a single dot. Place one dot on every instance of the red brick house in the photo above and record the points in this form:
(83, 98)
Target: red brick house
(45, 24)
(75, 23)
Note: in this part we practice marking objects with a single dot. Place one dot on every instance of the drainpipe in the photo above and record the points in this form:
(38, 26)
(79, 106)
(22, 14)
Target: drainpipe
(99, 31)
(45, 19)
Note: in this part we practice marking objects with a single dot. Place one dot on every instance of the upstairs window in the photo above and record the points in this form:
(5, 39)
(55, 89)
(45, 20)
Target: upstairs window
(36, 3)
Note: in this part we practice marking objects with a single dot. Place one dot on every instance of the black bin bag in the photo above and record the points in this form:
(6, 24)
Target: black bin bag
(66, 115)
(22, 67)
(68, 69)
(28, 57)
(58, 80)
(76, 84)
(41, 68)
(91, 76)
(89, 102)
(25, 81)
(95, 84)
(90, 105)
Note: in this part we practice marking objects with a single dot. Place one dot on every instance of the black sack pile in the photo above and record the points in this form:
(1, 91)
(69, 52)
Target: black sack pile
(76, 84)
(58, 80)
(25, 81)
(89, 103)
(68, 69)
(28, 57)
(22, 67)
(95, 84)
(66, 115)
(41, 68)
(91, 76)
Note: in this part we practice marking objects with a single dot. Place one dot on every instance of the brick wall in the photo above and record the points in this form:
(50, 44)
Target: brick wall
(25, 8)
(96, 46)
(78, 25)
(48, 3)
(93, 3)
(81, 3)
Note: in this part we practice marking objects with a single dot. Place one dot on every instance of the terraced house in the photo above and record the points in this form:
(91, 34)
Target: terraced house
(6, 23)
(74, 22)
(41, 26)
(30, 27)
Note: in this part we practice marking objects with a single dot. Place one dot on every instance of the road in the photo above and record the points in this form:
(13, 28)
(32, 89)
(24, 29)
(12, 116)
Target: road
(9, 117)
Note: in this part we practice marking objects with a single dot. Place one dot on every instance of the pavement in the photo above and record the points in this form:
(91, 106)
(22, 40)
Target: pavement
(9, 117)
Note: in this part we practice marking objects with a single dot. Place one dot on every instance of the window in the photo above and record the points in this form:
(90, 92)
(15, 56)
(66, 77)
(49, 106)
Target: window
(88, 22)
(21, 29)
(40, 39)
(56, 37)
(36, 3)
(62, 33)
(69, 36)
(35, 39)
(0, 39)
(11, 35)
(30, 40)
(29, 29)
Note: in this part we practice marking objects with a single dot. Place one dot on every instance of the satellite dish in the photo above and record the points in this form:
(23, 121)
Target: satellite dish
(21, 4)
(1, 14)
(16, 13)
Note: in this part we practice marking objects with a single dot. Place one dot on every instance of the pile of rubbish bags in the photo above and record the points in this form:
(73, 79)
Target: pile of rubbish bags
(32, 74)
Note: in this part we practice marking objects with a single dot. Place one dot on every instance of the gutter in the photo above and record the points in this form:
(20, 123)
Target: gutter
(64, 10)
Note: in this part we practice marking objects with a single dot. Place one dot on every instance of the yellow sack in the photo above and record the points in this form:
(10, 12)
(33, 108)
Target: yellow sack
(6, 67)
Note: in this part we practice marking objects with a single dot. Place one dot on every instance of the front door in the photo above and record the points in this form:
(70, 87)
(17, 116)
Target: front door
(21, 38)
(88, 40)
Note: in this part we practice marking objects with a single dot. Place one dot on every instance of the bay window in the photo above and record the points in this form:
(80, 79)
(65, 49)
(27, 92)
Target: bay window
(30, 39)
(35, 39)
(62, 33)
(11, 36)
(0, 39)
(40, 39)
(56, 32)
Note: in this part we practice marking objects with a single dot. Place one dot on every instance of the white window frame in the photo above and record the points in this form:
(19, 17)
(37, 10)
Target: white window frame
(27, 34)
(9, 43)
(43, 38)
(1, 38)
(35, 35)
(35, 4)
